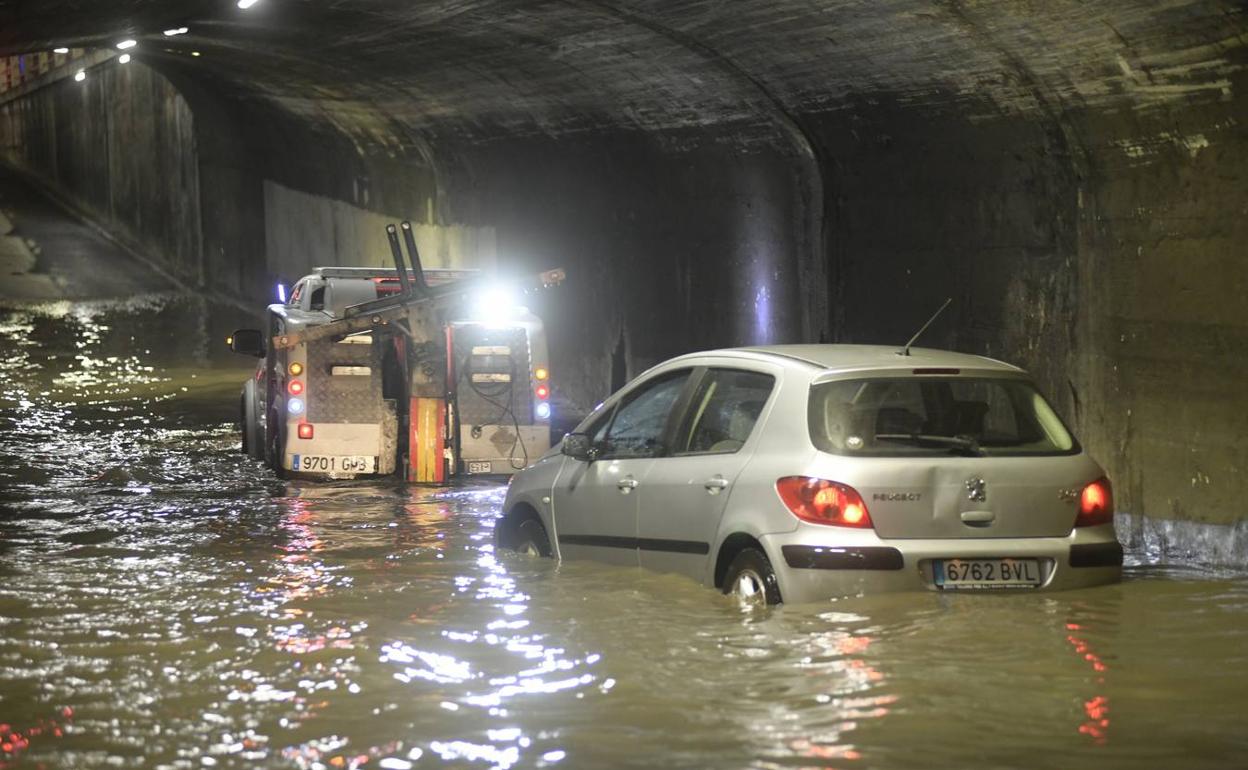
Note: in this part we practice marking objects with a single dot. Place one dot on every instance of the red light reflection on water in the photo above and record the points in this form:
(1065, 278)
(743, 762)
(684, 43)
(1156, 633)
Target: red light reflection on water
(1096, 709)
(859, 705)
(14, 741)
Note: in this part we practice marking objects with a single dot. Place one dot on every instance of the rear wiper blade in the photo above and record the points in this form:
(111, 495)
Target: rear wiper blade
(965, 443)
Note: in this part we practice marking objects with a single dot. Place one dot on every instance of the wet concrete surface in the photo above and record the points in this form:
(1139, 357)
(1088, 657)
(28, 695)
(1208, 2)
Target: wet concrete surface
(166, 602)
(46, 254)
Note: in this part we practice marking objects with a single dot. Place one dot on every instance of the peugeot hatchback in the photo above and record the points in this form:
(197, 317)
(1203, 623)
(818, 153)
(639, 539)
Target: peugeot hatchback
(804, 472)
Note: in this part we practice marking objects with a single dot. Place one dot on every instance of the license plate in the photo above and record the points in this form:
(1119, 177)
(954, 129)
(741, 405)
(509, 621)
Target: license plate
(480, 467)
(986, 573)
(333, 464)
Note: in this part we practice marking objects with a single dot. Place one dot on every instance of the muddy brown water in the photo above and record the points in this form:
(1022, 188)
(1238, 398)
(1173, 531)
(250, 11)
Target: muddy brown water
(165, 602)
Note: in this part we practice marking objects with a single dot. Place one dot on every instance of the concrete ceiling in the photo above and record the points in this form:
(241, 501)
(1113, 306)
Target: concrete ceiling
(483, 68)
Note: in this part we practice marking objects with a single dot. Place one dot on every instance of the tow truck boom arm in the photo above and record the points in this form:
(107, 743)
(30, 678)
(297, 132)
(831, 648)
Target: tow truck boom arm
(437, 297)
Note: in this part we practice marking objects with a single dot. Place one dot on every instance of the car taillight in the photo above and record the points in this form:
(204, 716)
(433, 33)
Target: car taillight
(1096, 504)
(305, 430)
(295, 387)
(820, 501)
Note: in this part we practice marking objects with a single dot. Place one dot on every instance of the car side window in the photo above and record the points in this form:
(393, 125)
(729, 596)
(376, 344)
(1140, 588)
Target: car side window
(639, 422)
(723, 411)
(597, 428)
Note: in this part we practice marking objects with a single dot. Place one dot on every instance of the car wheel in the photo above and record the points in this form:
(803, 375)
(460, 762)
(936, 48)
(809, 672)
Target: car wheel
(531, 539)
(751, 579)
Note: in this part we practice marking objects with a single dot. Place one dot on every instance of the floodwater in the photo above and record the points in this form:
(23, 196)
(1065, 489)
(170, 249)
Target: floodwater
(165, 602)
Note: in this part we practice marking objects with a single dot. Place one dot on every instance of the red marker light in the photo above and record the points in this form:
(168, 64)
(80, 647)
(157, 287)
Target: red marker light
(820, 501)
(295, 387)
(543, 391)
(1096, 504)
(305, 430)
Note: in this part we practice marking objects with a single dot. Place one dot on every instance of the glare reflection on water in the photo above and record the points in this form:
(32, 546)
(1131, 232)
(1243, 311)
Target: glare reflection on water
(165, 602)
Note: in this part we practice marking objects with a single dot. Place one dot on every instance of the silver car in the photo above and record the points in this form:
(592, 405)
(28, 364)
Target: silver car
(799, 473)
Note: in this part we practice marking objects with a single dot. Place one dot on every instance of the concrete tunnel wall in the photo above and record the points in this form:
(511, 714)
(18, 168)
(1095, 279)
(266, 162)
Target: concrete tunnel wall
(1096, 247)
(120, 149)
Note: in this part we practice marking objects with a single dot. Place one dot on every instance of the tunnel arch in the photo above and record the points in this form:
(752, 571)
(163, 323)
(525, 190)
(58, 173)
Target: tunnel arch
(1071, 174)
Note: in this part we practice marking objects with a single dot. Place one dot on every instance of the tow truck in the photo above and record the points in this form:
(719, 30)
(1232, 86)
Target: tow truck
(372, 371)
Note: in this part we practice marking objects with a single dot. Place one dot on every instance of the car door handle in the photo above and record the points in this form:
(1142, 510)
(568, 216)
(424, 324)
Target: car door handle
(715, 484)
(627, 484)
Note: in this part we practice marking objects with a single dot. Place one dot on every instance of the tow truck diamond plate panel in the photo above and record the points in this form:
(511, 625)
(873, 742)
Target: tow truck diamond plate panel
(344, 398)
(492, 385)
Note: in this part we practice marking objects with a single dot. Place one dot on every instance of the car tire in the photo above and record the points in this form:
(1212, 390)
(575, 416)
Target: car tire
(530, 538)
(751, 579)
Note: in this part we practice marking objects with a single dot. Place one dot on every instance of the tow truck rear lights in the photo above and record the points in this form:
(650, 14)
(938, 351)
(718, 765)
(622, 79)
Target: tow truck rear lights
(543, 411)
(1096, 504)
(305, 430)
(295, 387)
(540, 373)
(296, 369)
(295, 406)
(820, 501)
(543, 391)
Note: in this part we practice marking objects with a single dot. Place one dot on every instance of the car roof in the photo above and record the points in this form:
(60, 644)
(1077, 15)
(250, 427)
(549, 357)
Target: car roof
(868, 357)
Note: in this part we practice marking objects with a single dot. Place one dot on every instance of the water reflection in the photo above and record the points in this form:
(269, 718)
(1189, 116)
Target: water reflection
(164, 602)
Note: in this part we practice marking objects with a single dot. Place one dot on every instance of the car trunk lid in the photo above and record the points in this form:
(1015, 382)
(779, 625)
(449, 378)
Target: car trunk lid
(975, 497)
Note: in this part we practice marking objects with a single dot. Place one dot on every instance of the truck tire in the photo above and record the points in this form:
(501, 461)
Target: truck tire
(249, 422)
(273, 444)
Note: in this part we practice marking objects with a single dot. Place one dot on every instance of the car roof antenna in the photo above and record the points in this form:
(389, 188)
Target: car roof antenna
(905, 351)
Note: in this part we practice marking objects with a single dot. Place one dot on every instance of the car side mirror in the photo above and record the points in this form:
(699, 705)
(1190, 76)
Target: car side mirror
(578, 447)
(249, 342)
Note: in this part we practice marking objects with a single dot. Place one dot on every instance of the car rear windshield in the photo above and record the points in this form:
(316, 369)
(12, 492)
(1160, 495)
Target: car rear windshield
(906, 416)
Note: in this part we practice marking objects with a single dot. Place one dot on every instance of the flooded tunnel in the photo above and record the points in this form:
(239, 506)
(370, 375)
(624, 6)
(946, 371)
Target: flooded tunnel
(707, 175)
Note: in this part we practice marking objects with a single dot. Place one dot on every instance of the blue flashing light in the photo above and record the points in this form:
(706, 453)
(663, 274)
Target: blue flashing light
(543, 411)
(281, 294)
(295, 406)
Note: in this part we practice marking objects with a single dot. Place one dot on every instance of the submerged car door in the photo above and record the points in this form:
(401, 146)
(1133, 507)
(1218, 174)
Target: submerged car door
(684, 493)
(595, 501)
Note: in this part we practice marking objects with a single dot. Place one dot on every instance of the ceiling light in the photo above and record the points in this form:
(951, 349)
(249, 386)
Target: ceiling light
(60, 50)
(177, 31)
(123, 45)
(245, 4)
(80, 75)
(124, 58)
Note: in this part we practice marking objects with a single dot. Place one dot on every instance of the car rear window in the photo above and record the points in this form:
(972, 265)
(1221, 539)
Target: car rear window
(906, 416)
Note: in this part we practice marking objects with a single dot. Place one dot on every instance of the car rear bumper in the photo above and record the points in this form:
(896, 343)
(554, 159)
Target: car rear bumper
(815, 564)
